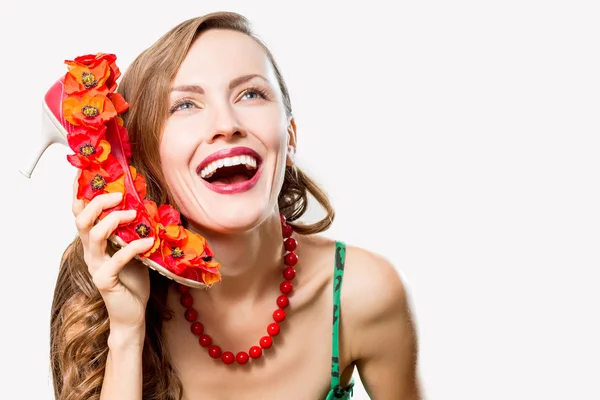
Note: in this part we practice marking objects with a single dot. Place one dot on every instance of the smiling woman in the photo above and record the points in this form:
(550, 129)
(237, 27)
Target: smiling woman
(211, 145)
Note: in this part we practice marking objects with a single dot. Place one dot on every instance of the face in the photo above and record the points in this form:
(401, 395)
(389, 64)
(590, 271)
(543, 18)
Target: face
(227, 138)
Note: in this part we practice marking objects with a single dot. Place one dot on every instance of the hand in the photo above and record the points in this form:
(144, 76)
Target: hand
(123, 282)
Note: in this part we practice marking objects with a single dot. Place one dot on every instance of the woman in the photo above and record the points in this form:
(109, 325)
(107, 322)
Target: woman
(205, 93)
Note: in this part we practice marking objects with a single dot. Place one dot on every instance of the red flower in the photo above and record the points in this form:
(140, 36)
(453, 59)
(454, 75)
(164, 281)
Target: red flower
(98, 179)
(143, 226)
(89, 147)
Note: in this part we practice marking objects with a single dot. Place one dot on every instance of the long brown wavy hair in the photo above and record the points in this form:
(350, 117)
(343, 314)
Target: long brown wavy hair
(79, 320)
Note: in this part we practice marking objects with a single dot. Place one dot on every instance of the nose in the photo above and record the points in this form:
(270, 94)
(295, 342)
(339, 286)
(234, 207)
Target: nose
(225, 125)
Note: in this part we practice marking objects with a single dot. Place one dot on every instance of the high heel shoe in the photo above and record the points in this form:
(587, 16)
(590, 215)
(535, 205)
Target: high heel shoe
(81, 111)
(52, 130)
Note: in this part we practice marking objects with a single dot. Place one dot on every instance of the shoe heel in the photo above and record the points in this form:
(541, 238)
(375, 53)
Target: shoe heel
(51, 133)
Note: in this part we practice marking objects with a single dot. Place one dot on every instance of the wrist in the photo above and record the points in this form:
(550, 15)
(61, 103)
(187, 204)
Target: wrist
(126, 337)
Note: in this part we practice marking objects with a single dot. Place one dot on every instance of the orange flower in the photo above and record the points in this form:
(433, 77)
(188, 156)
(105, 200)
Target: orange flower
(92, 60)
(89, 147)
(82, 78)
(185, 254)
(178, 246)
(89, 111)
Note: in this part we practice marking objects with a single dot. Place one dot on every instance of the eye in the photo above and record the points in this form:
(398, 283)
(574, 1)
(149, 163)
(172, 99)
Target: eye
(181, 105)
(254, 93)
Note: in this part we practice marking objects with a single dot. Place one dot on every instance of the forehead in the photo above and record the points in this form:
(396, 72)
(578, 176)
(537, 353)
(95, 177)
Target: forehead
(219, 55)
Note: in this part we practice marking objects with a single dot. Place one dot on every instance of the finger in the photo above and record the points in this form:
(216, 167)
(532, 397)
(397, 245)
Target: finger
(88, 216)
(78, 204)
(106, 278)
(98, 235)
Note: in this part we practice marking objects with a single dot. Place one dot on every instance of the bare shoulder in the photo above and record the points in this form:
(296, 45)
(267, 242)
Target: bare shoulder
(374, 289)
(380, 325)
(372, 286)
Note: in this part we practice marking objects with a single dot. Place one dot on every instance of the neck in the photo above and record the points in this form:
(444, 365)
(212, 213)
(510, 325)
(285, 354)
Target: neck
(251, 262)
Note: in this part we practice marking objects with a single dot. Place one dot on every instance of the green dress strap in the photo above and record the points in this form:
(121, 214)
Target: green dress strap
(338, 392)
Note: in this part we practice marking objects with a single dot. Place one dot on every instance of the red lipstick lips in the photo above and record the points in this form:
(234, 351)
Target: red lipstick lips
(232, 188)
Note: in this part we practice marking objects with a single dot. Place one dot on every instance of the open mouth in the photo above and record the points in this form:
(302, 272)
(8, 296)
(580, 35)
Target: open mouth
(230, 170)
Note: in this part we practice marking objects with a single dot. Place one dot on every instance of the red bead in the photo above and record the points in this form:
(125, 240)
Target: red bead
(191, 315)
(197, 328)
(214, 351)
(283, 301)
(289, 273)
(187, 300)
(290, 244)
(278, 315)
(282, 218)
(286, 287)
(273, 329)
(266, 342)
(287, 231)
(205, 340)
(255, 352)
(227, 357)
(241, 357)
(182, 288)
(290, 259)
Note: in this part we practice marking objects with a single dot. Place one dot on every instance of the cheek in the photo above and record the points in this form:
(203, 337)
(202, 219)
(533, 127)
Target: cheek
(174, 149)
(273, 129)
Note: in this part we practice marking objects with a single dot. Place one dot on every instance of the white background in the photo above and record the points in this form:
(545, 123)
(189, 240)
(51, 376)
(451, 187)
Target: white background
(458, 139)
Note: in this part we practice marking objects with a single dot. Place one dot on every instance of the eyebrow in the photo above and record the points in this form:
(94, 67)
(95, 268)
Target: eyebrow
(234, 83)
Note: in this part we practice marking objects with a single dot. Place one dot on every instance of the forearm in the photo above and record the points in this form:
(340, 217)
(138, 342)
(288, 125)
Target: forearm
(123, 374)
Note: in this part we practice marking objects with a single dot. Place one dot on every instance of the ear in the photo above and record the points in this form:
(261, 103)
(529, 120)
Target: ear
(291, 147)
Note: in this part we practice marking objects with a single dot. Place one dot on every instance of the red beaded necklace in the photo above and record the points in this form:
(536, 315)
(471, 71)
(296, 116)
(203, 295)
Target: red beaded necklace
(289, 273)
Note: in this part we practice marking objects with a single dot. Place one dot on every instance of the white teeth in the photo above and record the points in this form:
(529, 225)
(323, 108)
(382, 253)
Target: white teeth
(248, 161)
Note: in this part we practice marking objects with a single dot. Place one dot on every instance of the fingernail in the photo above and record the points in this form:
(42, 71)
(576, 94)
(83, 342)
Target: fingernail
(117, 195)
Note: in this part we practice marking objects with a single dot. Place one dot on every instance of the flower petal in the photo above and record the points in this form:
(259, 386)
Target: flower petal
(169, 215)
(71, 84)
(140, 185)
(72, 110)
(103, 151)
(119, 102)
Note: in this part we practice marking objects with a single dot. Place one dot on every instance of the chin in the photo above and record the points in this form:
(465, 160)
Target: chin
(231, 214)
(238, 220)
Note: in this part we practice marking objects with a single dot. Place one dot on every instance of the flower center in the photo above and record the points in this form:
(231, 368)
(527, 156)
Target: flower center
(98, 182)
(87, 150)
(89, 80)
(177, 253)
(89, 111)
(142, 230)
